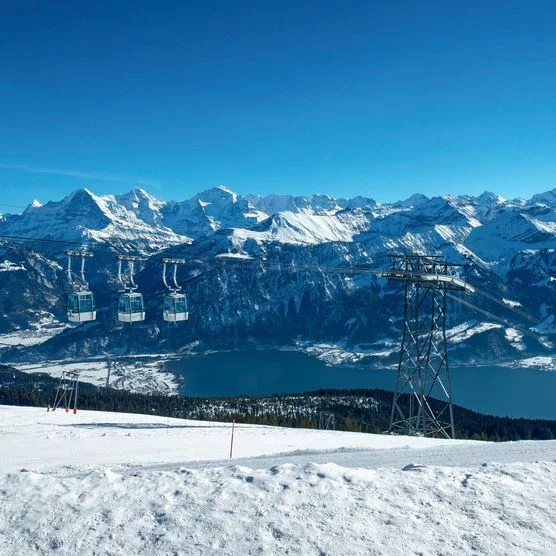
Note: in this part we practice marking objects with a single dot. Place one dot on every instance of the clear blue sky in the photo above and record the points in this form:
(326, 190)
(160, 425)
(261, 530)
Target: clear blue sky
(348, 97)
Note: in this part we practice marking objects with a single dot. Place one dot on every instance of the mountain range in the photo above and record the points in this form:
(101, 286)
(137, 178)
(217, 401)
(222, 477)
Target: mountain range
(284, 287)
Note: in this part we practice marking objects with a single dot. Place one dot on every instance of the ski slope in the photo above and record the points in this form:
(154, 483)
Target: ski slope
(109, 483)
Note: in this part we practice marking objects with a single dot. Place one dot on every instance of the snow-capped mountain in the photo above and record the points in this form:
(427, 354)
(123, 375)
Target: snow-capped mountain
(547, 198)
(210, 211)
(285, 290)
(499, 239)
(124, 222)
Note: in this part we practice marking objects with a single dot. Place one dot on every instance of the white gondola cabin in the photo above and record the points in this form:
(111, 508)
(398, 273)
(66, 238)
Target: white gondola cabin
(175, 307)
(81, 307)
(131, 307)
(175, 303)
(81, 301)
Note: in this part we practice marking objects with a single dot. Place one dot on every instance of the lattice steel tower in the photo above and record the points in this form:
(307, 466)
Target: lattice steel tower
(423, 371)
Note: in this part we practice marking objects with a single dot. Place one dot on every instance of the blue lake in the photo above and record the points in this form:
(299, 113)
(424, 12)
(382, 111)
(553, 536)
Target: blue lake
(495, 390)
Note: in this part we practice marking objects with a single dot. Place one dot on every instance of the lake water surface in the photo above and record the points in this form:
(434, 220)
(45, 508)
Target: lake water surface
(496, 390)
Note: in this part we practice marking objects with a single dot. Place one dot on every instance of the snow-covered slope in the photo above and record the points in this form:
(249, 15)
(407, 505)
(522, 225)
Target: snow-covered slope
(513, 231)
(314, 204)
(155, 440)
(129, 484)
(304, 229)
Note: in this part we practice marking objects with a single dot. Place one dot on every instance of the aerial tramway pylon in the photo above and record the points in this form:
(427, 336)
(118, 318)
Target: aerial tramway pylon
(423, 371)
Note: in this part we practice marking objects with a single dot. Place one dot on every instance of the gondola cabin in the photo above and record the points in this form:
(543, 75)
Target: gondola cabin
(175, 307)
(131, 307)
(81, 307)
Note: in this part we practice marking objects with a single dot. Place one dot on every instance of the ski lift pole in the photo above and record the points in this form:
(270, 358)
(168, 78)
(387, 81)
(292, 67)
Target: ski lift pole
(58, 397)
(232, 439)
(75, 394)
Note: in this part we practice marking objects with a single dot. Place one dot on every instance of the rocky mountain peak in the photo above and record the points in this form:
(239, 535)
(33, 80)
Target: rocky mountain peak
(546, 198)
(490, 198)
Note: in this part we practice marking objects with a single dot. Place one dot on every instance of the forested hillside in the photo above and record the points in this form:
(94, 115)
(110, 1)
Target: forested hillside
(354, 410)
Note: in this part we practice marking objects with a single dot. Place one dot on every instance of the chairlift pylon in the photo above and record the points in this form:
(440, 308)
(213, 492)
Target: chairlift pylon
(175, 302)
(81, 301)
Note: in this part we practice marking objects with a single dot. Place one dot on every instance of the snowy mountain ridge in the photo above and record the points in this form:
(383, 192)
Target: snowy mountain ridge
(137, 215)
(508, 248)
(120, 221)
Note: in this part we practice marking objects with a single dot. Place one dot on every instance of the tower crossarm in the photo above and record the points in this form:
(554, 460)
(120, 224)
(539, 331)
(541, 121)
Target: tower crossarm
(431, 280)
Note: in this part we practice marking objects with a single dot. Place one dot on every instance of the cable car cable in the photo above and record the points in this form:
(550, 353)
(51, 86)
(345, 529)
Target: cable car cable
(507, 323)
(501, 302)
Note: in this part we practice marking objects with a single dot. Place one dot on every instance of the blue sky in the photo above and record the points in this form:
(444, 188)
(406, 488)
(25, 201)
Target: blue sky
(383, 99)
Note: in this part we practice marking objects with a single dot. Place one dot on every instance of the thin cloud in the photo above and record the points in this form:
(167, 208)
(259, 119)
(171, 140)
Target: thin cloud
(78, 174)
